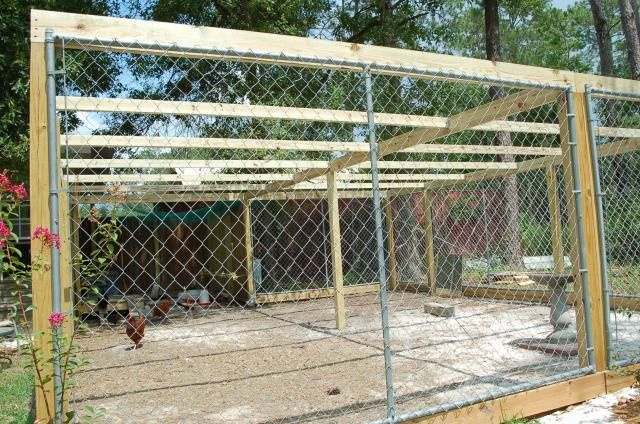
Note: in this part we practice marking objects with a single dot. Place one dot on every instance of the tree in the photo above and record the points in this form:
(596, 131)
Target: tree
(628, 20)
(511, 237)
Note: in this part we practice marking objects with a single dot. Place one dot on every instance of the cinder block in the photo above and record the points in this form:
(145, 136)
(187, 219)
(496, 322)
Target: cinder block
(440, 309)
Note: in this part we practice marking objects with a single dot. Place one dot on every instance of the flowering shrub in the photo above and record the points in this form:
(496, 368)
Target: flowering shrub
(63, 351)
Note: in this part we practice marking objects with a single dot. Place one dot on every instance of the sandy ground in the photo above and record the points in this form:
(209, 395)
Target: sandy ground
(287, 363)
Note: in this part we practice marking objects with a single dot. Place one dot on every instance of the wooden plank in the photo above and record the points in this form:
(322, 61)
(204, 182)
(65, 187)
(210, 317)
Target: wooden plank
(316, 294)
(282, 46)
(499, 109)
(591, 235)
(273, 164)
(217, 177)
(619, 147)
(621, 379)
(295, 145)
(39, 214)
(572, 226)
(336, 249)
(391, 248)
(248, 247)
(430, 258)
(555, 220)
(525, 404)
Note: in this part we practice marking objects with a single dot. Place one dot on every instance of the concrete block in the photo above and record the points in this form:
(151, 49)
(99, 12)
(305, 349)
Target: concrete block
(440, 309)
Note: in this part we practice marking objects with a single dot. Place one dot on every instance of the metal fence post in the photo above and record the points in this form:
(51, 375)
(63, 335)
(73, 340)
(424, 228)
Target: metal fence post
(571, 117)
(382, 275)
(599, 195)
(52, 137)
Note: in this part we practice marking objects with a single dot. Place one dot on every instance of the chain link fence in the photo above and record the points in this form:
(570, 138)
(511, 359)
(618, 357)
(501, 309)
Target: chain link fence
(615, 121)
(283, 272)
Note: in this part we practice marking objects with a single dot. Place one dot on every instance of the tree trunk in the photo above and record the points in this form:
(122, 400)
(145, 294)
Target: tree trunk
(605, 51)
(628, 20)
(511, 235)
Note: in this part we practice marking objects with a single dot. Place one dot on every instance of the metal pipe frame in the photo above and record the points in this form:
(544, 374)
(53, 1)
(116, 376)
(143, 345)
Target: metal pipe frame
(53, 160)
(301, 60)
(382, 274)
(606, 291)
(582, 253)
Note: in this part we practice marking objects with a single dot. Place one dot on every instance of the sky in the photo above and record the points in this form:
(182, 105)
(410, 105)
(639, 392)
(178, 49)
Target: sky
(563, 3)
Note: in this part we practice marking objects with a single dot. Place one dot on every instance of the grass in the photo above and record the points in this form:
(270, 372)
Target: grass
(16, 388)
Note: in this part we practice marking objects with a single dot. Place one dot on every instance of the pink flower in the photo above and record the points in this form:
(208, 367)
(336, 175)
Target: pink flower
(18, 191)
(5, 233)
(5, 182)
(47, 238)
(56, 319)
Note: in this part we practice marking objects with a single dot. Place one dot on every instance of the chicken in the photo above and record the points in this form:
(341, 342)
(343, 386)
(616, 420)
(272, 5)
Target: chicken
(135, 329)
(162, 308)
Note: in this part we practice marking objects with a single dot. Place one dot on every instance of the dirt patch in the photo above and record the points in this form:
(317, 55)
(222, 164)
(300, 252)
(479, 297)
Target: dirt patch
(628, 410)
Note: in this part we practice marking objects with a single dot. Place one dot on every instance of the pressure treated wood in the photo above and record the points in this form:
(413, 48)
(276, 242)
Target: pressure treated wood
(572, 227)
(288, 50)
(295, 145)
(555, 220)
(526, 404)
(430, 259)
(591, 234)
(248, 247)
(316, 294)
(391, 248)
(336, 249)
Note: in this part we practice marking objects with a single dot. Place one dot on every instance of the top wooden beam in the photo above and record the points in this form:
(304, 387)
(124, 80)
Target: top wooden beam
(101, 29)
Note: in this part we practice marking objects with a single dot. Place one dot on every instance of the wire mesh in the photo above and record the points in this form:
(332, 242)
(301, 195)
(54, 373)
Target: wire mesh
(216, 168)
(615, 126)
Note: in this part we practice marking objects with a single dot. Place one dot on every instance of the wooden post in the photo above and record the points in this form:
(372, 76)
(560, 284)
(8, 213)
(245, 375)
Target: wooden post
(336, 250)
(591, 233)
(393, 270)
(248, 248)
(427, 198)
(555, 220)
(39, 214)
(572, 226)
(157, 261)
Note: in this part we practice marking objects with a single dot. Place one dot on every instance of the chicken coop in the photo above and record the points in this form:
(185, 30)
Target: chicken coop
(312, 230)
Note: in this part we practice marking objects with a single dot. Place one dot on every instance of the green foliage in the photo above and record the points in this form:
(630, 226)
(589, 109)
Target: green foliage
(16, 390)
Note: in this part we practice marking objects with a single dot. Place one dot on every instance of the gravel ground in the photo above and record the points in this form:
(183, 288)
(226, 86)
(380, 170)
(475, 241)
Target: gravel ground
(287, 363)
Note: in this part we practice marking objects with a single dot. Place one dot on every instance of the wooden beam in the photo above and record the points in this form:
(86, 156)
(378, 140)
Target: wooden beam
(272, 164)
(248, 247)
(216, 177)
(292, 50)
(572, 227)
(591, 234)
(391, 248)
(499, 109)
(430, 259)
(555, 221)
(525, 404)
(298, 145)
(316, 294)
(336, 249)
(40, 217)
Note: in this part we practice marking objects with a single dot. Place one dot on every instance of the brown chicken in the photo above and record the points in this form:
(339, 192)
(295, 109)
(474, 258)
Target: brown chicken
(135, 329)
(162, 308)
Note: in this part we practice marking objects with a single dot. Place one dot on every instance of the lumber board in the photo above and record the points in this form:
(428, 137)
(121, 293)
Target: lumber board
(289, 145)
(245, 177)
(498, 109)
(316, 294)
(524, 404)
(336, 249)
(591, 235)
(391, 248)
(621, 378)
(39, 214)
(272, 164)
(289, 49)
(248, 248)
(430, 258)
(555, 219)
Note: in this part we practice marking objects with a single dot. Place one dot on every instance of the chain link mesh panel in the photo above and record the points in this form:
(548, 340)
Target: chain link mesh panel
(242, 192)
(615, 123)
